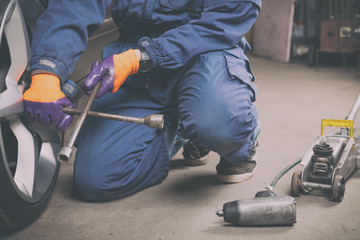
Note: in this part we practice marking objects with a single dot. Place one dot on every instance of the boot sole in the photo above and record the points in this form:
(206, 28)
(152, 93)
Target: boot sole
(197, 162)
(235, 178)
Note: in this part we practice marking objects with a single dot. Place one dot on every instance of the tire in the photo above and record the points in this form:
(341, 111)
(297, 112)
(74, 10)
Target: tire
(17, 207)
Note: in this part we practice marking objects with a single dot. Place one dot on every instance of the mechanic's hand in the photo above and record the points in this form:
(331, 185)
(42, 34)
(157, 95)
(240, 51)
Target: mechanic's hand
(112, 72)
(44, 101)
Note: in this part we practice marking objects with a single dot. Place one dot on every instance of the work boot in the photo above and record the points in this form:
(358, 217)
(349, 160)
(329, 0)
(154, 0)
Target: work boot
(195, 155)
(233, 173)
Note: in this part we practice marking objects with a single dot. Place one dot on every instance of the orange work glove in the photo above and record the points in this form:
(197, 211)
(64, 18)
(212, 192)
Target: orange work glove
(44, 101)
(112, 72)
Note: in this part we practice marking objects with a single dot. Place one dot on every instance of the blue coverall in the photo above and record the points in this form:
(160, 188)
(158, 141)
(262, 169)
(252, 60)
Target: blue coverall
(201, 81)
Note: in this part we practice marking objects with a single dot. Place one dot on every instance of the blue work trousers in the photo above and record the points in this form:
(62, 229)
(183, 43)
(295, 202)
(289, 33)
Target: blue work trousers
(209, 102)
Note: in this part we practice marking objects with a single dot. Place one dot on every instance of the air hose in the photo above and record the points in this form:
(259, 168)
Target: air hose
(266, 209)
(282, 173)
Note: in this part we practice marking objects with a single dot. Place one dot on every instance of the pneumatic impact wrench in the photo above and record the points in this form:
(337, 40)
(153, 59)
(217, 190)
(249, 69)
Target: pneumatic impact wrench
(266, 209)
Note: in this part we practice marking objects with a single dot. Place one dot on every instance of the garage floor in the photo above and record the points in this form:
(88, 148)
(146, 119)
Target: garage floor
(293, 98)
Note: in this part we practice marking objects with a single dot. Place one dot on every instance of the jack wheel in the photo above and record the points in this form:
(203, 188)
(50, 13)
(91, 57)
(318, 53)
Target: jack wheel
(296, 184)
(338, 189)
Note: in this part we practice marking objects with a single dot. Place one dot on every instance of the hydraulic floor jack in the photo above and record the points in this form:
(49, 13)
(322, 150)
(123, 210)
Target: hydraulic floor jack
(330, 160)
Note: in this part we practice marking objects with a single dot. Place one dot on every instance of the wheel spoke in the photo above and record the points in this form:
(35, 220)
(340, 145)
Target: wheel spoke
(25, 169)
(46, 167)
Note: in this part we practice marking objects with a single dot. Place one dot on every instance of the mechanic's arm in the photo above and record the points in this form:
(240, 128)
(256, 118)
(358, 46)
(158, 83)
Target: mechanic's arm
(221, 26)
(59, 38)
(61, 34)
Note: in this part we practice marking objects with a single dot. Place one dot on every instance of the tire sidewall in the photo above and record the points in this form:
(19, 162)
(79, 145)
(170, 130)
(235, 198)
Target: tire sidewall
(15, 211)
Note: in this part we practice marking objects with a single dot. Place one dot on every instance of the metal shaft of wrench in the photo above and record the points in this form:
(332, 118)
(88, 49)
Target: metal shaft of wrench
(153, 120)
(66, 151)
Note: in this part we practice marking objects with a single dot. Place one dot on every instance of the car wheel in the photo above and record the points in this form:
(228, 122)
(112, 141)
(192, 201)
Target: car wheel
(28, 165)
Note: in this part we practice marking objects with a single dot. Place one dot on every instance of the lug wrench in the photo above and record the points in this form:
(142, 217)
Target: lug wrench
(66, 151)
(154, 121)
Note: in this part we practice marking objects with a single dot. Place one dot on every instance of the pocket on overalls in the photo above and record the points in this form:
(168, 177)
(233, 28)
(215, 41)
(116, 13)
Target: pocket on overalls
(239, 68)
(139, 81)
(183, 5)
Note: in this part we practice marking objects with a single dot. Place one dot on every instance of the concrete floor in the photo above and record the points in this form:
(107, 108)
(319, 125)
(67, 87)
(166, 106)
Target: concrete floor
(293, 98)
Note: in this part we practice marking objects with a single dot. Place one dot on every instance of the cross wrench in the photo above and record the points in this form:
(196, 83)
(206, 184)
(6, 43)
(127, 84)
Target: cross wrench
(154, 121)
